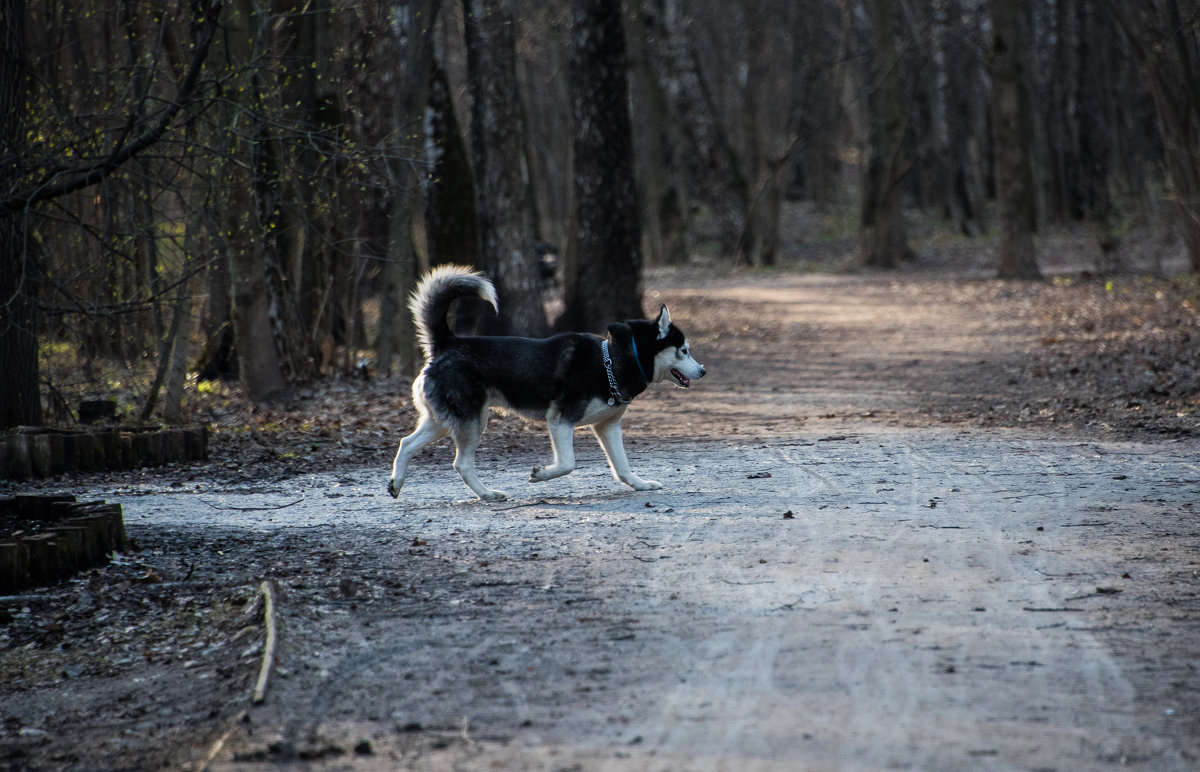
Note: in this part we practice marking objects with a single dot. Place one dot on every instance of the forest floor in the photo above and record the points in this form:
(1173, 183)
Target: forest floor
(915, 520)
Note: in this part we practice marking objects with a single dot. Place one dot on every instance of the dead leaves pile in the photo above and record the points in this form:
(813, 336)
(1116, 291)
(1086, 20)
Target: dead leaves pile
(1123, 352)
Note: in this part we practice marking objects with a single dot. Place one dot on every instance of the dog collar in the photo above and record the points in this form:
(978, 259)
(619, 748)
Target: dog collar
(636, 360)
(616, 397)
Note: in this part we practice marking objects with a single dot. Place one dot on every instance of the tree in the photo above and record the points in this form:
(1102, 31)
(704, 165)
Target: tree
(504, 209)
(883, 240)
(28, 181)
(603, 277)
(1012, 139)
(19, 399)
(1166, 43)
(412, 31)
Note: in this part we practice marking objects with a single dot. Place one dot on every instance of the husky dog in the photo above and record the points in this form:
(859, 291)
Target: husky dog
(568, 380)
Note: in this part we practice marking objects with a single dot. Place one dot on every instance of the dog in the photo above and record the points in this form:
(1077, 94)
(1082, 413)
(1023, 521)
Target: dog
(567, 380)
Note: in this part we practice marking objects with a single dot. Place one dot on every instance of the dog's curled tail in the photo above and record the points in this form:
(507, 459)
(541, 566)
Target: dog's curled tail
(430, 302)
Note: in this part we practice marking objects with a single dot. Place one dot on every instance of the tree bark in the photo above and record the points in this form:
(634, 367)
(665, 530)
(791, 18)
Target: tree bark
(1011, 124)
(603, 277)
(20, 402)
(246, 221)
(883, 240)
(397, 335)
(504, 206)
(658, 144)
(451, 231)
(1168, 50)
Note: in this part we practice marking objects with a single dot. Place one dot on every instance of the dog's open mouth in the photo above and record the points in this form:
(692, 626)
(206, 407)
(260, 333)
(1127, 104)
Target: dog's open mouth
(680, 378)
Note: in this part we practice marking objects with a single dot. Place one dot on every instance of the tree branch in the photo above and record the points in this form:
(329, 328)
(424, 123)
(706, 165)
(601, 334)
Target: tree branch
(86, 175)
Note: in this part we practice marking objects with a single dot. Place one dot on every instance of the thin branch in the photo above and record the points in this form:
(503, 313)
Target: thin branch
(264, 672)
(88, 175)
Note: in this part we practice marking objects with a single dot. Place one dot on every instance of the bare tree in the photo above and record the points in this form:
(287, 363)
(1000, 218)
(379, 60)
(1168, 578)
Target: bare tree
(1166, 42)
(503, 205)
(603, 277)
(412, 28)
(1011, 126)
(19, 399)
(883, 240)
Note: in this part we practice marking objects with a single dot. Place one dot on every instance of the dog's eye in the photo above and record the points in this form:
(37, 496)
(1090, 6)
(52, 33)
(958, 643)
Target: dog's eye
(683, 352)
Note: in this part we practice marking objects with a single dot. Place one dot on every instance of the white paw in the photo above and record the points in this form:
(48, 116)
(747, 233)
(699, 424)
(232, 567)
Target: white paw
(493, 495)
(394, 487)
(543, 473)
(646, 485)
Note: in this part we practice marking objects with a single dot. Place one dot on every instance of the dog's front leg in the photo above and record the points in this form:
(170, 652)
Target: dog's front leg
(562, 442)
(427, 431)
(613, 443)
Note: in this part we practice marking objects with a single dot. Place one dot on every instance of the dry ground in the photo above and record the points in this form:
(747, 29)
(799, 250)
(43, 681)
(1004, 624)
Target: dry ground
(909, 523)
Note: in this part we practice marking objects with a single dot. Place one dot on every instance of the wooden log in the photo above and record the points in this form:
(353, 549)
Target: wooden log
(40, 507)
(58, 461)
(99, 453)
(128, 460)
(142, 452)
(71, 451)
(86, 445)
(97, 538)
(14, 566)
(39, 454)
(93, 410)
(108, 519)
(72, 545)
(44, 565)
(20, 466)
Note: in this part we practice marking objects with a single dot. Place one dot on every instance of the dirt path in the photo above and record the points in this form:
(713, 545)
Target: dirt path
(834, 578)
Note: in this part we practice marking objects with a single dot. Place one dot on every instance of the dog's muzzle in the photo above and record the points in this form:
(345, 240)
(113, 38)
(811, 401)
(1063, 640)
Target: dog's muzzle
(683, 380)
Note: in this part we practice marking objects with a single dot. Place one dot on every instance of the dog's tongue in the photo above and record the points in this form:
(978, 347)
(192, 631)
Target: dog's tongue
(683, 380)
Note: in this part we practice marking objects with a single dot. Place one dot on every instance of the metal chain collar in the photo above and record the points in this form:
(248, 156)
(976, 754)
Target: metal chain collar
(612, 380)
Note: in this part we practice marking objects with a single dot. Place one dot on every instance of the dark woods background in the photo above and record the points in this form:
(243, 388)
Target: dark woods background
(248, 189)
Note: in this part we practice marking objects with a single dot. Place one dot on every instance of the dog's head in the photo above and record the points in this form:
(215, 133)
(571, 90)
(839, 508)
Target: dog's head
(672, 355)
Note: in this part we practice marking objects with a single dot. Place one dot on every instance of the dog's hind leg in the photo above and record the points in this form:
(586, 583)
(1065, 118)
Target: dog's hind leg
(613, 443)
(428, 430)
(466, 439)
(562, 442)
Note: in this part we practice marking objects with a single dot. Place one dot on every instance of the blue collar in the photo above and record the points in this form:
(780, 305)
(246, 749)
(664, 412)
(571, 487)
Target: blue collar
(637, 361)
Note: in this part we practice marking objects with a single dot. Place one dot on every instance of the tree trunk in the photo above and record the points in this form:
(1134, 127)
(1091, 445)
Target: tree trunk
(1011, 124)
(603, 277)
(706, 153)
(397, 335)
(883, 240)
(658, 142)
(1168, 50)
(504, 205)
(20, 403)
(451, 232)
(247, 223)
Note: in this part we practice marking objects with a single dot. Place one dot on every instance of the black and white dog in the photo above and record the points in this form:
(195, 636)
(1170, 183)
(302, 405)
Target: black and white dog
(568, 380)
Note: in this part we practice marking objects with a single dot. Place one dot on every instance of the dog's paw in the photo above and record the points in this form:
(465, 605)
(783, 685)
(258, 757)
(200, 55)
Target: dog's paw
(543, 473)
(493, 495)
(646, 485)
(393, 489)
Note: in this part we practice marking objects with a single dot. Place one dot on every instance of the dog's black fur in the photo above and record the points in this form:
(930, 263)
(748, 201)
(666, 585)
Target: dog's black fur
(561, 380)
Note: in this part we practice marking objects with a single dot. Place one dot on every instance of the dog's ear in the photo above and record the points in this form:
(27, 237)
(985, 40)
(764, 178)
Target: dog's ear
(664, 322)
(620, 334)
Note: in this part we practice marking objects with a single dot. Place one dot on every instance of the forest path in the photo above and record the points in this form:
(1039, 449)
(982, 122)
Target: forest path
(848, 568)
(831, 580)
(912, 600)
